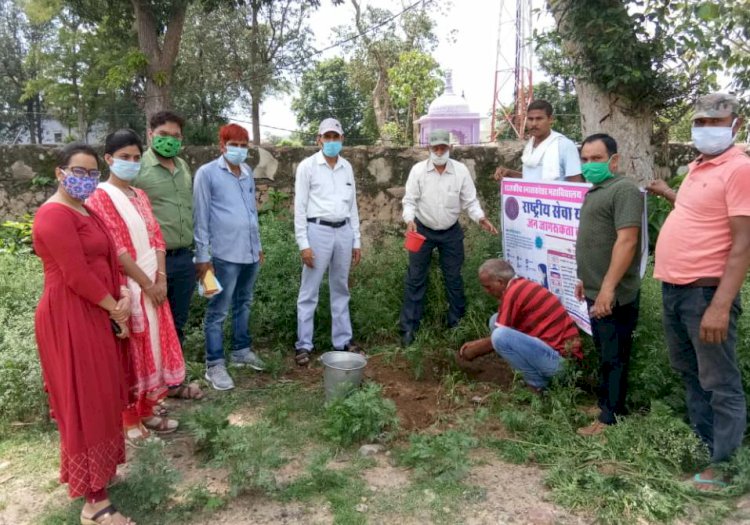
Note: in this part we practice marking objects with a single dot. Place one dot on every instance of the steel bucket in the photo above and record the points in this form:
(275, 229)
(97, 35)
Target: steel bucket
(342, 373)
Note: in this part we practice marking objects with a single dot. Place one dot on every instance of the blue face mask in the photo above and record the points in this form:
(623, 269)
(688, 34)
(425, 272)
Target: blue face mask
(235, 155)
(125, 169)
(711, 140)
(332, 149)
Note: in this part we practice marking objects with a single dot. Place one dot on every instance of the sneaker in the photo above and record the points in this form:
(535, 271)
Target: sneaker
(250, 359)
(219, 378)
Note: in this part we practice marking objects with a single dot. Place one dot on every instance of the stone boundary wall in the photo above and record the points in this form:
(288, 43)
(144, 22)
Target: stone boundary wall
(26, 173)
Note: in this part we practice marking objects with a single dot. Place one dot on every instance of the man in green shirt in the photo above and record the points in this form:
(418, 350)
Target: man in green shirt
(609, 280)
(167, 181)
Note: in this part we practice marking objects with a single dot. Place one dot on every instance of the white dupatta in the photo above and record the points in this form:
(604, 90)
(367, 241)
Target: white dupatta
(144, 252)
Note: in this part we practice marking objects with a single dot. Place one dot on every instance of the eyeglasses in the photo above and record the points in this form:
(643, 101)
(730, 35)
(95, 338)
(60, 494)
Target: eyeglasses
(83, 172)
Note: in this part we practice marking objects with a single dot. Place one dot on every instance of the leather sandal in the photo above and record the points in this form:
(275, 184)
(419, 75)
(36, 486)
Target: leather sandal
(302, 357)
(186, 391)
(160, 425)
(106, 516)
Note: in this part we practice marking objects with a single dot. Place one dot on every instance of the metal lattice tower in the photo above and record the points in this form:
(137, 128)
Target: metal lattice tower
(515, 68)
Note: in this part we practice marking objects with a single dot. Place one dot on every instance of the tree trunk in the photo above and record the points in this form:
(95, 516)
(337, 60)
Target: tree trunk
(256, 95)
(256, 88)
(31, 120)
(161, 58)
(630, 126)
(381, 102)
(627, 121)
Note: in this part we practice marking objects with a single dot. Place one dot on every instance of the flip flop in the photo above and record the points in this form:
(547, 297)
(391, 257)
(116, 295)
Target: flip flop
(717, 483)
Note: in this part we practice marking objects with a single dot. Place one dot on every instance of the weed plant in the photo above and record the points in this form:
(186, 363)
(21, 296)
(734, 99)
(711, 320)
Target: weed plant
(364, 415)
(440, 457)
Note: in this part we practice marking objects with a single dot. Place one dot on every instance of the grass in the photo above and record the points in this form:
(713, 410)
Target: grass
(634, 475)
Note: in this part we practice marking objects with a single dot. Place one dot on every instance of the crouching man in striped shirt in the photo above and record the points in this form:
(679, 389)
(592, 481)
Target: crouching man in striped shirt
(531, 330)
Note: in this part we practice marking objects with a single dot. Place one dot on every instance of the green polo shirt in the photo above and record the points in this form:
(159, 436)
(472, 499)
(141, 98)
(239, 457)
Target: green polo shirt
(171, 197)
(614, 204)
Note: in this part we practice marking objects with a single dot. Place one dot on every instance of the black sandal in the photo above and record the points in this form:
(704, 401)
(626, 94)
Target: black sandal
(302, 357)
(106, 515)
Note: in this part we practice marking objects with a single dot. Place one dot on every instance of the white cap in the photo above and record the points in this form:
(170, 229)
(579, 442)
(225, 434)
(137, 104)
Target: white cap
(330, 124)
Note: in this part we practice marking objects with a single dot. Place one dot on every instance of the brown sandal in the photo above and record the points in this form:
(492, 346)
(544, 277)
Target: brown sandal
(302, 357)
(160, 425)
(186, 391)
(104, 517)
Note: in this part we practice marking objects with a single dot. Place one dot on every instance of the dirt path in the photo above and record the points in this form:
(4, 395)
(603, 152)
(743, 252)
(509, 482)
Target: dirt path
(505, 493)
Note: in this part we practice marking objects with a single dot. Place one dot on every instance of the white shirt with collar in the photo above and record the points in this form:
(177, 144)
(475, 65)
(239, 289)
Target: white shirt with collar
(437, 199)
(322, 192)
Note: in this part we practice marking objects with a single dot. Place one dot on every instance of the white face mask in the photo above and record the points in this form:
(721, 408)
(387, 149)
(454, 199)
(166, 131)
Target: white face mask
(711, 140)
(440, 160)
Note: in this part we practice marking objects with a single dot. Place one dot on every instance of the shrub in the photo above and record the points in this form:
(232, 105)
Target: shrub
(21, 394)
(442, 457)
(364, 415)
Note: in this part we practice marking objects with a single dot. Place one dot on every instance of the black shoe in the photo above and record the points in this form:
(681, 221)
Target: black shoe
(407, 338)
(351, 346)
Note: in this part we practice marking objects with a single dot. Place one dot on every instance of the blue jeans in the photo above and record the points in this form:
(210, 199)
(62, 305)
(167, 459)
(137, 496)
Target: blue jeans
(237, 281)
(715, 398)
(537, 361)
(180, 286)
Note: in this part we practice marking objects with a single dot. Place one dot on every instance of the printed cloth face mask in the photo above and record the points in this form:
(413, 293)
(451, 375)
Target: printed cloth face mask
(166, 146)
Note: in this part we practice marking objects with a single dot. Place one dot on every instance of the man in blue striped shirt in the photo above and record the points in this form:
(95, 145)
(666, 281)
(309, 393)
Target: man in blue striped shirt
(227, 241)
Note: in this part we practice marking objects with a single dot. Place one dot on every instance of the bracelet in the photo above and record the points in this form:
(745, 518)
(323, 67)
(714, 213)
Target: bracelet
(161, 273)
(124, 292)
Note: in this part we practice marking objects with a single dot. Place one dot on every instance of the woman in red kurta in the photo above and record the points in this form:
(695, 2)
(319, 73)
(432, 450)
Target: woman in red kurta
(154, 349)
(83, 302)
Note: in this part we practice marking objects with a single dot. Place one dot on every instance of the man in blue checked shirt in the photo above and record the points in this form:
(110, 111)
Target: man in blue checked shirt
(227, 241)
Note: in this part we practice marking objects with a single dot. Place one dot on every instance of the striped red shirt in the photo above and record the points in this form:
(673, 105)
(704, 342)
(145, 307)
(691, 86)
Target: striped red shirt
(532, 309)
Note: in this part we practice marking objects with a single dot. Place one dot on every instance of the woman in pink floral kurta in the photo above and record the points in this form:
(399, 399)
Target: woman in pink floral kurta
(155, 353)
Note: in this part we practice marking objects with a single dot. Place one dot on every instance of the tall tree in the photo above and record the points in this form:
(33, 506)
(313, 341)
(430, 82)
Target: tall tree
(327, 91)
(274, 49)
(19, 41)
(631, 61)
(414, 82)
(380, 38)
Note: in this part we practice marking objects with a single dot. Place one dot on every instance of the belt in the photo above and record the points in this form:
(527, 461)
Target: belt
(337, 224)
(703, 282)
(178, 251)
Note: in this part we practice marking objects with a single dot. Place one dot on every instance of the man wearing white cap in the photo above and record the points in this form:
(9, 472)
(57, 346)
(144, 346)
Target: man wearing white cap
(436, 191)
(326, 226)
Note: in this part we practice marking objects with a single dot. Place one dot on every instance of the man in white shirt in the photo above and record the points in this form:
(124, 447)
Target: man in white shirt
(326, 226)
(548, 155)
(436, 191)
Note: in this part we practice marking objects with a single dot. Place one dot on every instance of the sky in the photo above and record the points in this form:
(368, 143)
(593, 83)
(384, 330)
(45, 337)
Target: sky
(467, 33)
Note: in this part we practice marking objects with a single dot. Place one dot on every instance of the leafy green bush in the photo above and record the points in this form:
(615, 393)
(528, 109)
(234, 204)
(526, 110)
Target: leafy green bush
(442, 457)
(21, 393)
(15, 236)
(251, 453)
(150, 482)
(364, 415)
